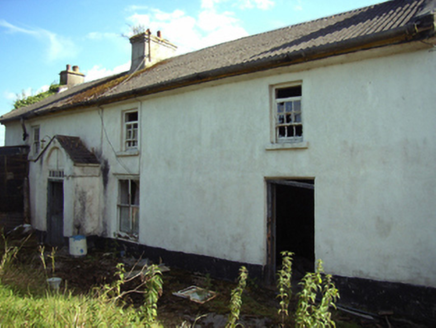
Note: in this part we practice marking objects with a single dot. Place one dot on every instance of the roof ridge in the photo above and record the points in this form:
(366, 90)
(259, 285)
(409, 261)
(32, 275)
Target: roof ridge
(387, 23)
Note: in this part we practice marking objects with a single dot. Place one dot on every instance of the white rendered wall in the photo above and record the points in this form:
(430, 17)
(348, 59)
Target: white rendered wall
(203, 164)
(371, 150)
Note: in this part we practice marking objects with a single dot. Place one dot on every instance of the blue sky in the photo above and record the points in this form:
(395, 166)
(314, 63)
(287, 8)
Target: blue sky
(39, 37)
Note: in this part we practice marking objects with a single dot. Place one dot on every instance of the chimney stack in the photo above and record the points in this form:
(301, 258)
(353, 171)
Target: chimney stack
(148, 49)
(71, 77)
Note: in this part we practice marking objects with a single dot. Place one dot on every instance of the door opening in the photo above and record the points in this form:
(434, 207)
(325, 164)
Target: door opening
(291, 225)
(55, 213)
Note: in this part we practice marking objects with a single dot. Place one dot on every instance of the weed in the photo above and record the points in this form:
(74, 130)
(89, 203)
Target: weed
(9, 253)
(284, 285)
(309, 314)
(52, 259)
(153, 290)
(236, 300)
(41, 250)
(104, 309)
(207, 282)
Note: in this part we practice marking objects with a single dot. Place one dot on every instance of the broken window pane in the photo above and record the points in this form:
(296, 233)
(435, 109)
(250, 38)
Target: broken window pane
(132, 117)
(288, 106)
(124, 219)
(297, 105)
(131, 130)
(299, 130)
(289, 126)
(297, 117)
(129, 207)
(134, 192)
(124, 192)
(289, 92)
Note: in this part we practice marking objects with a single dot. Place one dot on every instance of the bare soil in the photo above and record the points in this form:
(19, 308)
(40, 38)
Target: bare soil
(259, 308)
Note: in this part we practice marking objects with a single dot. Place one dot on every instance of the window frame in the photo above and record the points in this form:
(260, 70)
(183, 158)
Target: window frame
(133, 206)
(36, 142)
(276, 124)
(126, 128)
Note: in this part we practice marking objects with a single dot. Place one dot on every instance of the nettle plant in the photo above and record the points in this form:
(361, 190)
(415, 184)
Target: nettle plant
(284, 285)
(308, 313)
(236, 299)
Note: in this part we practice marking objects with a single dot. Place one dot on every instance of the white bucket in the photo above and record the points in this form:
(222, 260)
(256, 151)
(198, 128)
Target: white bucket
(78, 245)
(54, 282)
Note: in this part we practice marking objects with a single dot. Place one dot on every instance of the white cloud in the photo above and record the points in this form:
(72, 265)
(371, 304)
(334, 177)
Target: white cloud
(209, 4)
(58, 47)
(16, 29)
(241, 4)
(211, 20)
(162, 16)
(299, 5)
(190, 33)
(24, 93)
(44, 88)
(135, 8)
(97, 71)
(101, 36)
(259, 4)
(9, 95)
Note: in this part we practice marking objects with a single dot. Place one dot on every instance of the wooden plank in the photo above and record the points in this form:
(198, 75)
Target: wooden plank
(293, 184)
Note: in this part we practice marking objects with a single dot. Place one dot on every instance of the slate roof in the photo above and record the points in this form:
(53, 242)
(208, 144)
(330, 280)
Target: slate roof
(387, 23)
(77, 151)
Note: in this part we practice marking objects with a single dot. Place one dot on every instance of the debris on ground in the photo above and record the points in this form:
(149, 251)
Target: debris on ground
(259, 307)
(196, 294)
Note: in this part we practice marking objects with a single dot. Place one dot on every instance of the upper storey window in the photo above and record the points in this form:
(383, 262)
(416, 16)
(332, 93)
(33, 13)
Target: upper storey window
(131, 130)
(287, 112)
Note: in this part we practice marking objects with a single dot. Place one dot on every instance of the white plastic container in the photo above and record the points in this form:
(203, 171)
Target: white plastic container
(54, 282)
(78, 245)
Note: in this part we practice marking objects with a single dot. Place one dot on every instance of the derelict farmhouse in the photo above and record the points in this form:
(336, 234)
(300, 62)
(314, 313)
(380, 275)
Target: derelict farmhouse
(318, 138)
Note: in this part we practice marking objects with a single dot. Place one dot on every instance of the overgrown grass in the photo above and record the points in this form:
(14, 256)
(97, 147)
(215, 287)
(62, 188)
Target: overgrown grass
(26, 300)
(22, 304)
(64, 310)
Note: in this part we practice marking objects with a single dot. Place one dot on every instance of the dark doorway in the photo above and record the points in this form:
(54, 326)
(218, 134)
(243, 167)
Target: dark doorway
(291, 225)
(55, 213)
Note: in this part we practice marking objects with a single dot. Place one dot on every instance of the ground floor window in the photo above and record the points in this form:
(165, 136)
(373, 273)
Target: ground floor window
(128, 207)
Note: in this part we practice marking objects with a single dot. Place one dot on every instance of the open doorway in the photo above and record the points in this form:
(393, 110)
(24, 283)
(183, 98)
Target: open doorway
(55, 213)
(291, 225)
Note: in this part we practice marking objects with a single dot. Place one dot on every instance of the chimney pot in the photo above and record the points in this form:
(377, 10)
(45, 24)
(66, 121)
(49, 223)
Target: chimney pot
(71, 77)
(148, 49)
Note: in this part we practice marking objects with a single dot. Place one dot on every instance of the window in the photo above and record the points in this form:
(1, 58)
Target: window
(35, 140)
(56, 174)
(128, 207)
(287, 112)
(130, 130)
